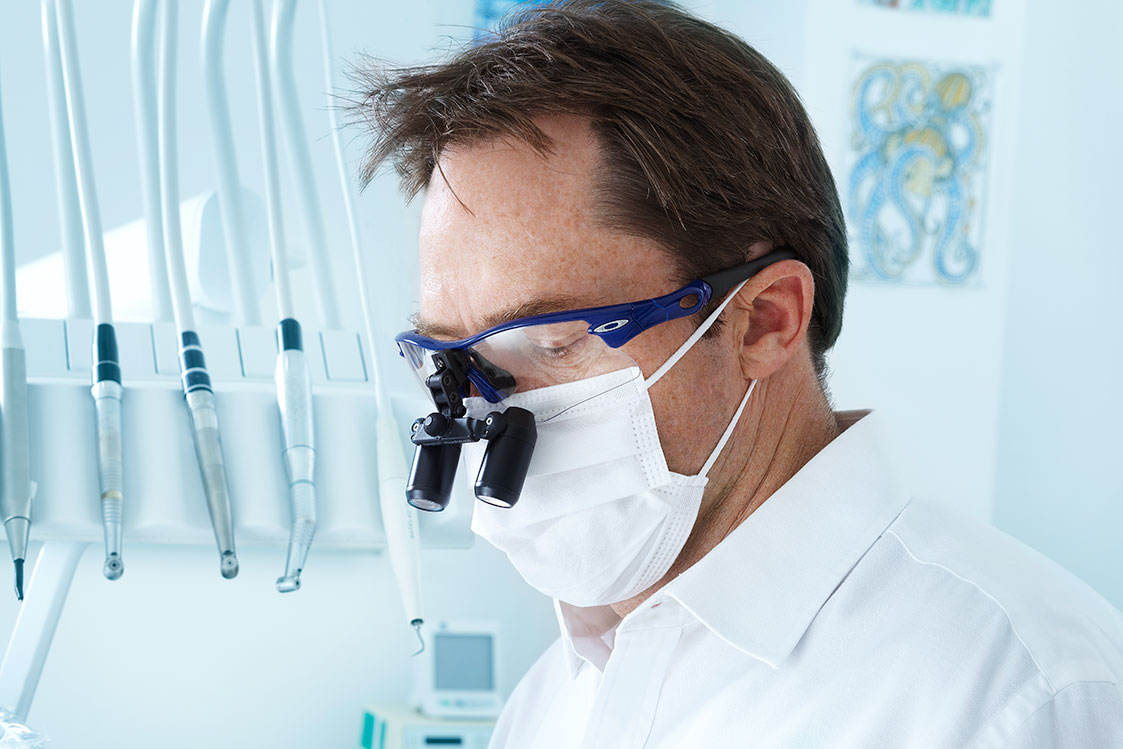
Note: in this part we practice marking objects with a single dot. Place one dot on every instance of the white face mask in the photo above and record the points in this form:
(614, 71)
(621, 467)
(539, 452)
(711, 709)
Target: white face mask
(601, 517)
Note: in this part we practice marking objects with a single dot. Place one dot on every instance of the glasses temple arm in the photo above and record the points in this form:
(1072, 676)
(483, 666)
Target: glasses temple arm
(722, 281)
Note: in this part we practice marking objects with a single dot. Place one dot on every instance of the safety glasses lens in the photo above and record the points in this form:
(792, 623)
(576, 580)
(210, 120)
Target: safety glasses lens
(537, 356)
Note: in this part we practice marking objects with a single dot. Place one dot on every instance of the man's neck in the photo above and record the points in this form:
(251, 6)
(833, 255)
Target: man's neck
(787, 423)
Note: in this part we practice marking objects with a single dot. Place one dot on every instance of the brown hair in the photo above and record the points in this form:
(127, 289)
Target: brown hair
(705, 145)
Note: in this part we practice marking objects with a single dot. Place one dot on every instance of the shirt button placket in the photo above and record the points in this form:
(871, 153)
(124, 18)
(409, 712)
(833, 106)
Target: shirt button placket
(628, 695)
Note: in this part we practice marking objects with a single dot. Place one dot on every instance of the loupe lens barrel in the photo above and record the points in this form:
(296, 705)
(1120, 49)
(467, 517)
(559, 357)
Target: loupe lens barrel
(507, 459)
(430, 478)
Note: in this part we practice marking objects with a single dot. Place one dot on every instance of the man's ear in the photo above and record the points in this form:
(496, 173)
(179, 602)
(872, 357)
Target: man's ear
(770, 315)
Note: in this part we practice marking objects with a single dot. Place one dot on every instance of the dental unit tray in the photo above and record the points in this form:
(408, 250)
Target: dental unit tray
(165, 495)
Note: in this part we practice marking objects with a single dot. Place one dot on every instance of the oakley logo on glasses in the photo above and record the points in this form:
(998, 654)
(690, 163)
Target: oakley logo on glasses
(608, 327)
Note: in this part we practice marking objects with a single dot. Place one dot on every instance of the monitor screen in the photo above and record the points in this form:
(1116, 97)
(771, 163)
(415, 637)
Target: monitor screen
(462, 662)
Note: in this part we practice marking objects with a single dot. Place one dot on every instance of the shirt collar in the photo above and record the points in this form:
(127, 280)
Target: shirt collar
(588, 634)
(790, 555)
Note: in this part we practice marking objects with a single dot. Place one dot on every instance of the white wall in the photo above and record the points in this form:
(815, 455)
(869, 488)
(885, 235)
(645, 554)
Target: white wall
(1002, 397)
(1059, 487)
(171, 655)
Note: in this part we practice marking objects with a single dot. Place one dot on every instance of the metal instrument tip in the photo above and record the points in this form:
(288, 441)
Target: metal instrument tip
(289, 583)
(417, 629)
(229, 565)
(114, 567)
(19, 578)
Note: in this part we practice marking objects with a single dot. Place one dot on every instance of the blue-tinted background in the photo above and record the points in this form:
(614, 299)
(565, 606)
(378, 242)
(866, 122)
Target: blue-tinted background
(1002, 389)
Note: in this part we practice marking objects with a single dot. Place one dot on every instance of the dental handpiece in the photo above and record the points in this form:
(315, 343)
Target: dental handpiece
(106, 387)
(107, 393)
(17, 489)
(15, 485)
(294, 385)
(399, 520)
(294, 397)
(208, 447)
(198, 395)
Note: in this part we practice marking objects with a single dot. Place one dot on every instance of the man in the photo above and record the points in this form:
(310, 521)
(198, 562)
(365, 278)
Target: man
(732, 562)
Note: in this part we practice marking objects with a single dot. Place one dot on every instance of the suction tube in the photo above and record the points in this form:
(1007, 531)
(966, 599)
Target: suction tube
(226, 163)
(293, 124)
(144, 106)
(70, 217)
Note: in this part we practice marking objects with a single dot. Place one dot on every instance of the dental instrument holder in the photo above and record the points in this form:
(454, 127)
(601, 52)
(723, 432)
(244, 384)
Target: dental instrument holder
(511, 435)
(167, 506)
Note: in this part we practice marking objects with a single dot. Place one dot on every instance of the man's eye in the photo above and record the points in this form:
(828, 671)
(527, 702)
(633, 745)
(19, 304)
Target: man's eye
(557, 352)
(557, 349)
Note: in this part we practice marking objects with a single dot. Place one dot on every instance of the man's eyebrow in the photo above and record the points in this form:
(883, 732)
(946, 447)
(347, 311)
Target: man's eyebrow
(526, 309)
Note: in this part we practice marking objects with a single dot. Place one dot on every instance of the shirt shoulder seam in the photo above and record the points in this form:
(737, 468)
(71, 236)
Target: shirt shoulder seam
(1013, 627)
(1057, 693)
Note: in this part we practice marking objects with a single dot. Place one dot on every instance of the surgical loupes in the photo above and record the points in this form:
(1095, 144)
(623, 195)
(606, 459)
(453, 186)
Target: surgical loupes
(511, 436)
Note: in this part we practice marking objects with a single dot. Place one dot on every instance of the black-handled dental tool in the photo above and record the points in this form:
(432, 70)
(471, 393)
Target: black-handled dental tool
(157, 101)
(107, 390)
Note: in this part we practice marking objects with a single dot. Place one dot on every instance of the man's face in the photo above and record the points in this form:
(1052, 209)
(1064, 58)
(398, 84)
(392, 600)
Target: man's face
(530, 236)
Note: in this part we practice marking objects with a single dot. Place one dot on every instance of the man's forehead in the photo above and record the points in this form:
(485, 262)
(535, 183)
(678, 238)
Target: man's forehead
(534, 306)
(506, 229)
(505, 182)
(479, 300)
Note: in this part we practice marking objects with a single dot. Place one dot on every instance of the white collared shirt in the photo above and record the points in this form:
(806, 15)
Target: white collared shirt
(839, 614)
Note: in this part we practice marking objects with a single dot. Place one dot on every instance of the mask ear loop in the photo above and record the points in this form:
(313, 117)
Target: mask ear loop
(728, 431)
(689, 342)
(681, 352)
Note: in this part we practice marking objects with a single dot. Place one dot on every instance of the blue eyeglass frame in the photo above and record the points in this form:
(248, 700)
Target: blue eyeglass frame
(615, 324)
